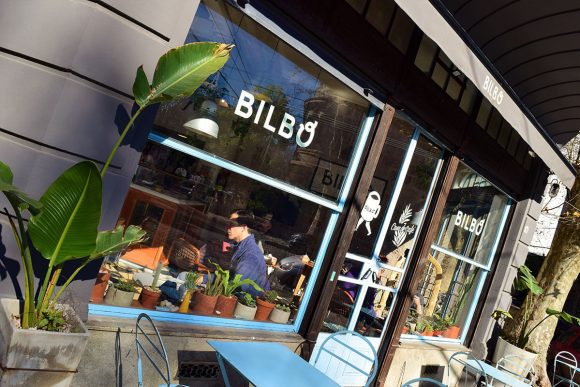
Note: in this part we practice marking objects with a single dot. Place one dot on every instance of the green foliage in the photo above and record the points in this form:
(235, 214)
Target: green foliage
(525, 281)
(124, 286)
(440, 323)
(180, 72)
(463, 292)
(270, 296)
(63, 224)
(229, 287)
(191, 279)
(51, 320)
(246, 299)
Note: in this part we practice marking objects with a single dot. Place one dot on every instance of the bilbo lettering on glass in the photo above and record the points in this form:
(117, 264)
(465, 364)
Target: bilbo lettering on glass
(245, 109)
(469, 223)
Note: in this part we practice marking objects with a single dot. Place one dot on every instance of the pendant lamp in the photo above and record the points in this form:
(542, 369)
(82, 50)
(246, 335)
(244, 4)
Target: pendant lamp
(205, 123)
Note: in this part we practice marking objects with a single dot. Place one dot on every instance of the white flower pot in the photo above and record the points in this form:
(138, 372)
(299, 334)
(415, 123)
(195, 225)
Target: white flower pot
(244, 312)
(279, 316)
(504, 349)
(118, 297)
(38, 358)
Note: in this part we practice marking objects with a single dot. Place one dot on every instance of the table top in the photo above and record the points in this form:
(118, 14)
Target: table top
(496, 374)
(270, 364)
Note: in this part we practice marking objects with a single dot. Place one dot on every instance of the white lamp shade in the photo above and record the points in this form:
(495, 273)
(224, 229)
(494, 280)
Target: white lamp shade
(203, 126)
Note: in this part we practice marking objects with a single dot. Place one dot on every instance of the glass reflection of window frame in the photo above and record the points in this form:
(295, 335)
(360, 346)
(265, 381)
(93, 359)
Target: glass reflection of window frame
(336, 207)
(485, 269)
(373, 262)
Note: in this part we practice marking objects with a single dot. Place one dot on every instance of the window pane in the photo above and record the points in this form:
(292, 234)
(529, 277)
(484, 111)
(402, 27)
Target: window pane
(401, 31)
(412, 200)
(185, 204)
(444, 297)
(483, 113)
(425, 54)
(453, 88)
(256, 104)
(379, 14)
(388, 167)
(468, 97)
(472, 216)
(358, 5)
(439, 75)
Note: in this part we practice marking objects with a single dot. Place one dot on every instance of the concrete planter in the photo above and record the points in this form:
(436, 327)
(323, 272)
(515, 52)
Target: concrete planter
(118, 297)
(279, 316)
(244, 312)
(38, 358)
(505, 349)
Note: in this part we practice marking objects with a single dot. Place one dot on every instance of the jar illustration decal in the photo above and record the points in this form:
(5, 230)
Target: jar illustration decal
(370, 211)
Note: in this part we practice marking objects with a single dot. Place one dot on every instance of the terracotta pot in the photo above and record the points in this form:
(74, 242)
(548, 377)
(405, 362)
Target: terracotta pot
(405, 330)
(427, 332)
(264, 310)
(203, 304)
(438, 333)
(149, 298)
(100, 285)
(451, 332)
(244, 312)
(225, 306)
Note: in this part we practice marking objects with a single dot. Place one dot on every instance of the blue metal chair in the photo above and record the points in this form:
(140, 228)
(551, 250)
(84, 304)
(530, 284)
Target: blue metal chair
(159, 355)
(566, 363)
(423, 382)
(336, 337)
(471, 366)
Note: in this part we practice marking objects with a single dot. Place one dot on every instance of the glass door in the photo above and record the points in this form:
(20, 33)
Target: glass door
(384, 236)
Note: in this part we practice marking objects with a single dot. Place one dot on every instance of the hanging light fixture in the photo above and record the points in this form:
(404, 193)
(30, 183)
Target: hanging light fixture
(206, 123)
(554, 188)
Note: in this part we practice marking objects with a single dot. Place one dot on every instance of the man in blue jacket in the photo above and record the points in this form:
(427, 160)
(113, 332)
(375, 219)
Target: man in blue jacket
(248, 259)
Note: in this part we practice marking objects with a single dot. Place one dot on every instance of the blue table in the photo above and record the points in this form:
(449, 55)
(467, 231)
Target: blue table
(499, 375)
(268, 365)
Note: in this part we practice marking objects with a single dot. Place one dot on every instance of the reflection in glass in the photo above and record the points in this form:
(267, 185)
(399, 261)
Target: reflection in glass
(261, 99)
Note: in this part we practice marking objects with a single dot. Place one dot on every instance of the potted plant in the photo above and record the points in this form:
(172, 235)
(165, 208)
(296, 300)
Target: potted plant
(190, 285)
(280, 314)
(204, 302)
(63, 228)
(516, 342)
(265, 305)
(120, 294)
(101, 284)
(246, 306)
(226, 302)
(440, 324)
(150, 295)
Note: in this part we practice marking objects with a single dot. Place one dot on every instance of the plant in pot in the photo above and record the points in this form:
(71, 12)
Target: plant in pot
(150, 295)
(120, 294)
(265, 305)
(63, 228)
(440, 324)
(246, 306)
(204, 302)
(190, 285)
(425, 327)
(515, 342)
(226, 302)
(280, 314)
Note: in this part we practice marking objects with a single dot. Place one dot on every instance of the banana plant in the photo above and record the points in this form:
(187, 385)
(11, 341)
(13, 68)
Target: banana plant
(63, 224)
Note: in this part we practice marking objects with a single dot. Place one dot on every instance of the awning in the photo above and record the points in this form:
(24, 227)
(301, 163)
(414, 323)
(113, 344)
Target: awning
(434, 25)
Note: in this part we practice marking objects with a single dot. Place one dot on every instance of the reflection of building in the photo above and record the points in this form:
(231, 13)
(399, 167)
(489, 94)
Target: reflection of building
(407, 146)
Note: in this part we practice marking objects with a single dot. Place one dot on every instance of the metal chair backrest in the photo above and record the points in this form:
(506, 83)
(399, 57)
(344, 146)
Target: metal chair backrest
(474, 365)
(569, 363)
(516, 366)
(424, 382)
(336, 337)
(155, 344)
(118, 361)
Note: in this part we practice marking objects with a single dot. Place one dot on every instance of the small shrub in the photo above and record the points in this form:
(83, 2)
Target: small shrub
(270, 296)
(124, 286)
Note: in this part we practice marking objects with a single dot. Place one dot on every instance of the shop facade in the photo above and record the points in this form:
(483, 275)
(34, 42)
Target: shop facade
(388, 194)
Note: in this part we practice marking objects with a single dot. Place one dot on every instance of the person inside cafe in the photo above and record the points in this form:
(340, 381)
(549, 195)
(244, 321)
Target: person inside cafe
(247, 259)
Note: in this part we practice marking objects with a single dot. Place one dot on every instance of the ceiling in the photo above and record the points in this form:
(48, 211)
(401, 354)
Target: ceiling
(535, 47)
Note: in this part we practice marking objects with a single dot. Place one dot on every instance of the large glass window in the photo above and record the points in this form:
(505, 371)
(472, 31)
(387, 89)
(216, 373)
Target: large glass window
(242, 177)
(460, 257)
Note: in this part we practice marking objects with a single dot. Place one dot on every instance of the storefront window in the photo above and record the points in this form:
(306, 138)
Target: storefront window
(460, 258)
(241, 178)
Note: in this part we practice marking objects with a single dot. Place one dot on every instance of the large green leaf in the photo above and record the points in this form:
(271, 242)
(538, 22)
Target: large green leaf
(525, 280)
(67, 226)
(564, 316)
(113, 241)
(180, 72)
(14, 194)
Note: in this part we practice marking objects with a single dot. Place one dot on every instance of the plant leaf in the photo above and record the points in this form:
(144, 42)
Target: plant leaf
(182, 70)
(113, 241)
(141, 87)
(14, 194)
(564, 316)
(67, 227)
(525, 280)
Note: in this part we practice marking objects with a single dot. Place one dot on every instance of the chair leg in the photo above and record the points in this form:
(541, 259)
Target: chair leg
(223, 369)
